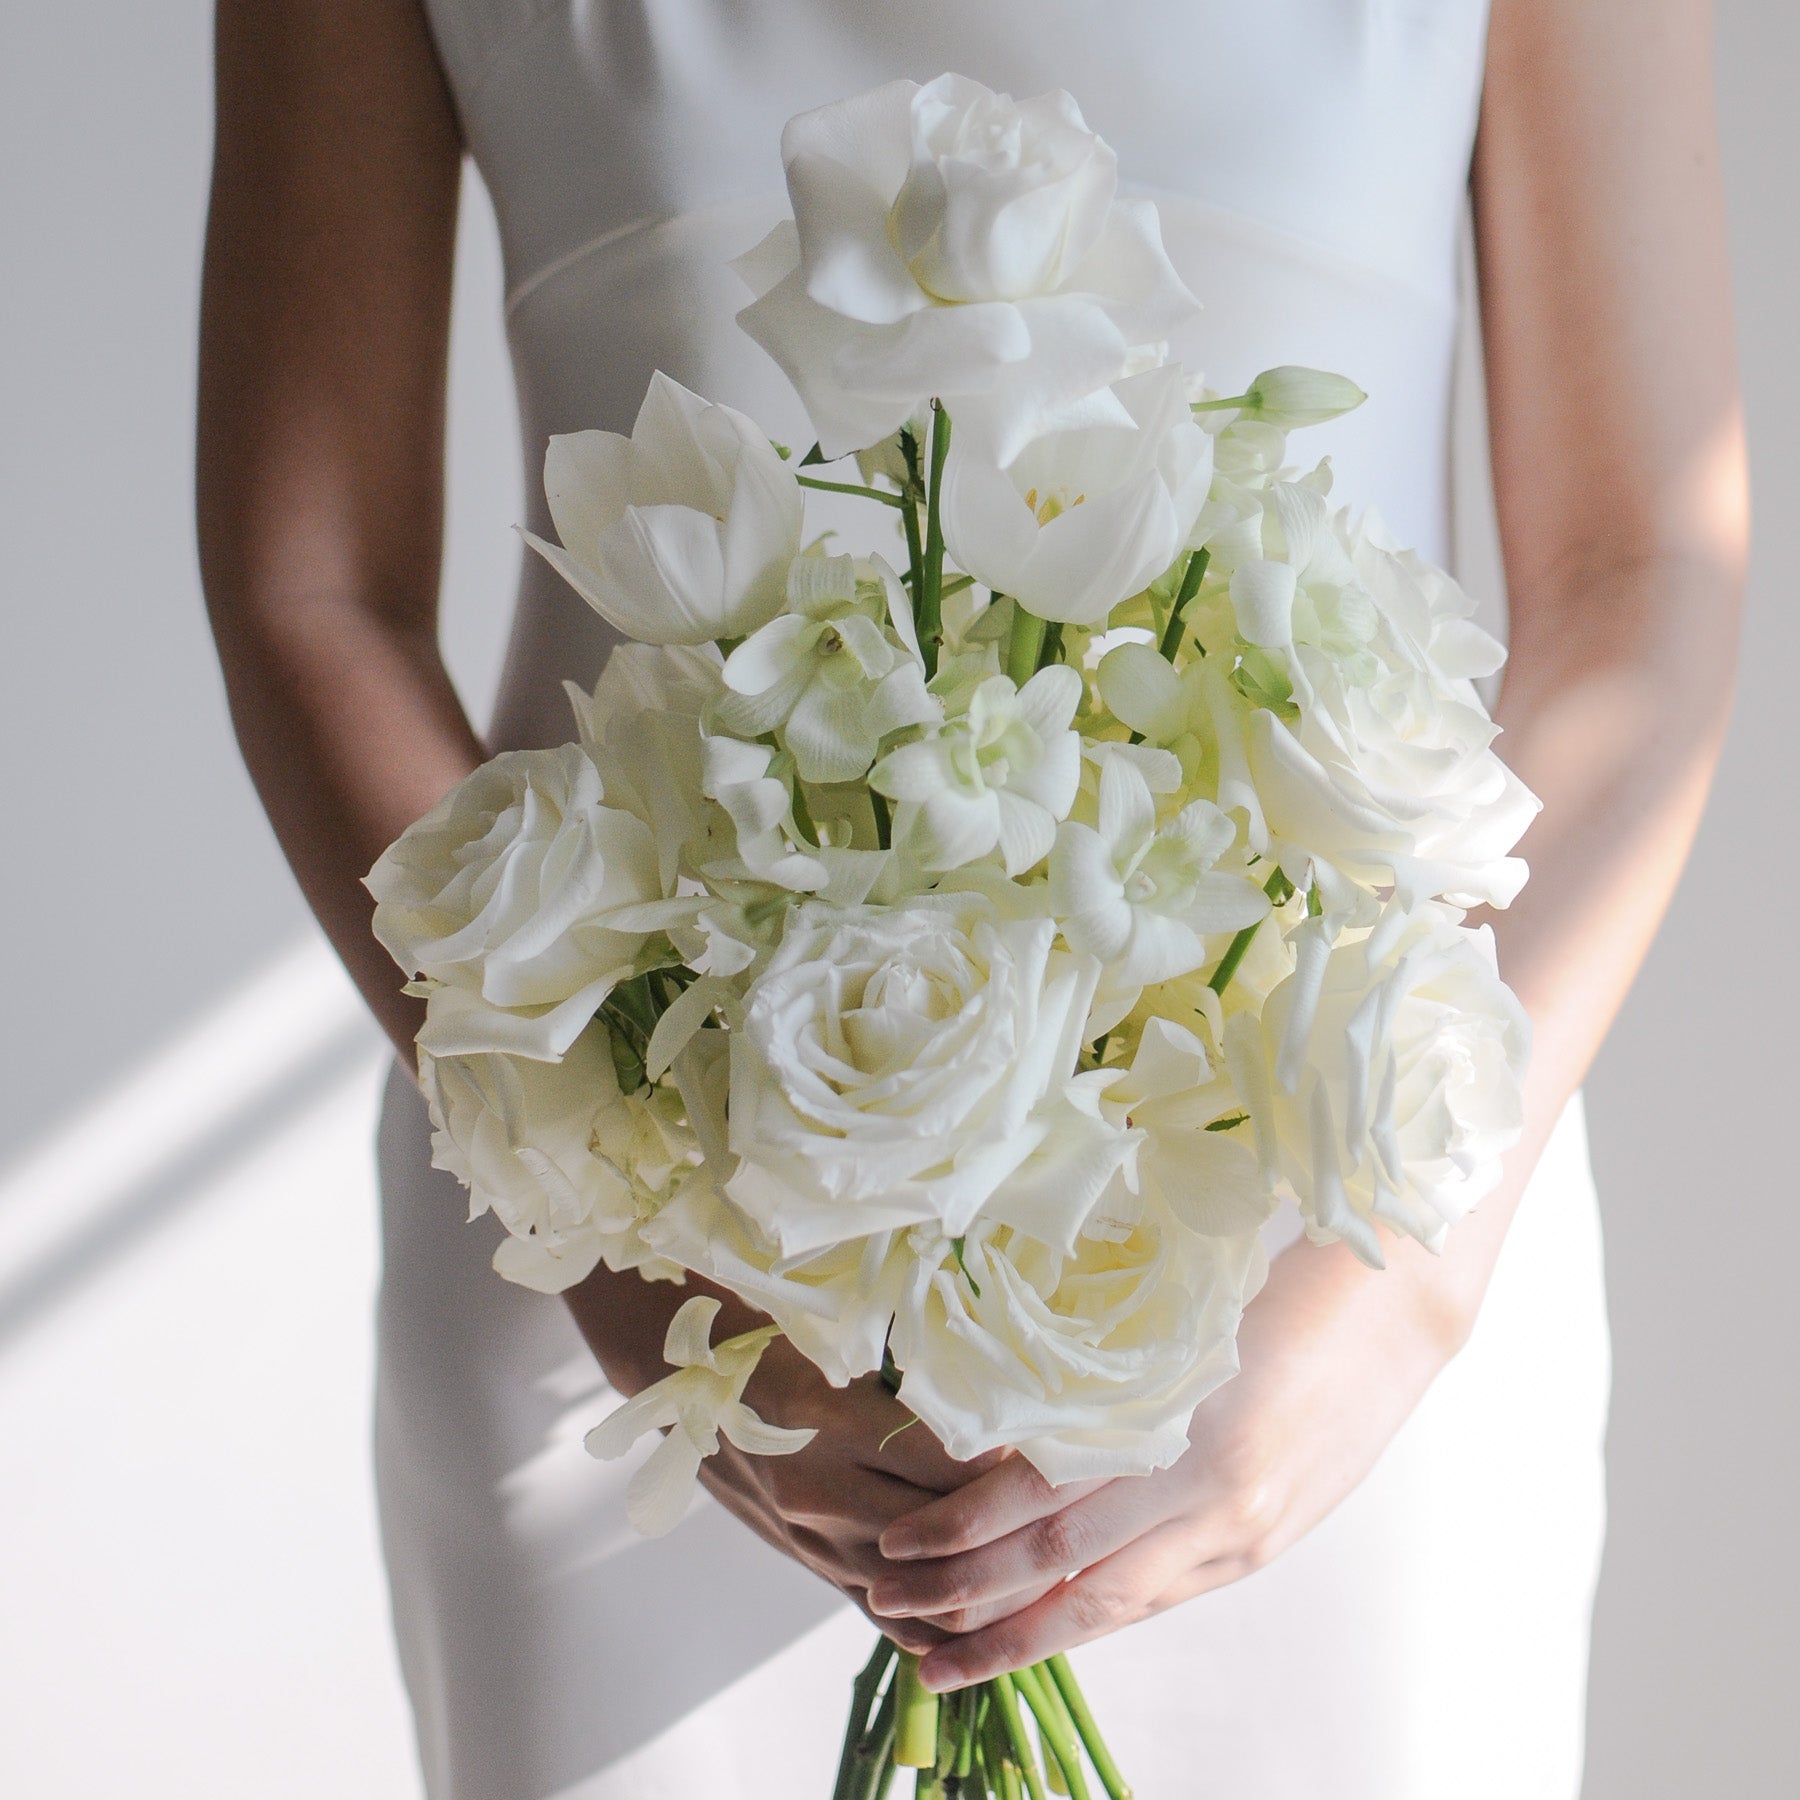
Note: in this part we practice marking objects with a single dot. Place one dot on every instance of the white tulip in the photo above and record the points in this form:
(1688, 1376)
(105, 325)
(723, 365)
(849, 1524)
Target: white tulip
(680, 533)
(903, 1064)
(545, 1147)
(1002, 776)
(1140, 898)
(1084, 518)
(836, 672)
(1382, 1078)
(522, 900)
(950, 242)
(702, 1401)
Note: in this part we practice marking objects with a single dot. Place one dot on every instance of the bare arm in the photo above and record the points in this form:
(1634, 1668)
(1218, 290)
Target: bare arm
(1619, 472)
(323, 342)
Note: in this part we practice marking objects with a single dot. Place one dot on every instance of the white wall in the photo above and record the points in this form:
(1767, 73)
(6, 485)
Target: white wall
(188, 1592)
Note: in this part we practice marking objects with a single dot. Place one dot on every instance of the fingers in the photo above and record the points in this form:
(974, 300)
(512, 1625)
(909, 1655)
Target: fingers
(1144, 1578)
(1030, 1560)
(1008, 1496)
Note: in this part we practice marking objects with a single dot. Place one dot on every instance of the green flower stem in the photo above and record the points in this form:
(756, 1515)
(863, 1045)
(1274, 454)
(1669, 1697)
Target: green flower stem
(1083, 1715)
(916, 1717)
(884, 824)
(853, 487)
(1052, 647)
(975, 1714)
(1053, 1727)
(862, 1701)
(875, 1754)
(1191, 577)
(1024, 646)
(1278, 888)
(1231, 403)
(1006, 1698)
(930, 598)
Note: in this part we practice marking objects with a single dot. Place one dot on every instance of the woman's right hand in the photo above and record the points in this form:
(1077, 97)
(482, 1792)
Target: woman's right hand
(827, 1505)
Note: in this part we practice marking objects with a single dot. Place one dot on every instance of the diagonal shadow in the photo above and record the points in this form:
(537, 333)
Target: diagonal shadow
(102, 1242)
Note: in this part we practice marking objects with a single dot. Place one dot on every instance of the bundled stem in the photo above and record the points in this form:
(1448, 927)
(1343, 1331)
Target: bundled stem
(974, 1744)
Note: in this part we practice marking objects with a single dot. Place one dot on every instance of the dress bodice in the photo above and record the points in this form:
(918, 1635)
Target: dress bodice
(1309, 158)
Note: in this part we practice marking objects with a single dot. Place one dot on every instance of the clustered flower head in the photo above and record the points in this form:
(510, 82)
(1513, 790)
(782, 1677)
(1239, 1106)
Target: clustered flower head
(960, 951)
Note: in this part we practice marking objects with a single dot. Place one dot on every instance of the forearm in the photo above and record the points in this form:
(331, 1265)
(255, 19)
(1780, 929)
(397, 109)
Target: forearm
(351, 729)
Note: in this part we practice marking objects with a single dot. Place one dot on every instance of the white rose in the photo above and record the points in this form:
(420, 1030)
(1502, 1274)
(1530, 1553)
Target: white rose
(680, 533)
(948, 241)
(906, 1064)
(1084, 518)
(1089, 1363)
(1351, 731)
(1088, 1357)
(504, 897)
(545, 1147)
(1383, 1077)
(1000, 777)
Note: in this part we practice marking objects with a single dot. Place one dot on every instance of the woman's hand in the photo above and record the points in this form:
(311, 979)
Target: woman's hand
(827, 1505)
(1334, 1358)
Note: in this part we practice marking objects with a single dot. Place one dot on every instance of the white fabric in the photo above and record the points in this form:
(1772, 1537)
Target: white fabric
(1430, 1639)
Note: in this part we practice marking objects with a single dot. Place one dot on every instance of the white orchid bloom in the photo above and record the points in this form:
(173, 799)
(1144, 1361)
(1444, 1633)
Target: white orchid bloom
(697, 1405)
(1143, 899)
(680, 533)
(1167, 707)
(835, 672)
(1083, 519)
(749, 782)
(949, 241)
(1002, 776)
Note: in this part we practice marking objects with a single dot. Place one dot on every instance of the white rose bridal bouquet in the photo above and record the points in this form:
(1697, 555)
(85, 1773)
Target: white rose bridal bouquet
(959, 953)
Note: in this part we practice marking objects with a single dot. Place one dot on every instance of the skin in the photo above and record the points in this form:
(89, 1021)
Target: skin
(1619, 474)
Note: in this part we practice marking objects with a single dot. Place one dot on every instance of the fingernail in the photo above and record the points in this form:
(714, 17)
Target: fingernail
(882, 1604)
(898, 1544)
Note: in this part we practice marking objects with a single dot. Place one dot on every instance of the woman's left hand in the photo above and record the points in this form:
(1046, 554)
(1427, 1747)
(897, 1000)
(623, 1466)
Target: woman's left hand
(1333, 1359)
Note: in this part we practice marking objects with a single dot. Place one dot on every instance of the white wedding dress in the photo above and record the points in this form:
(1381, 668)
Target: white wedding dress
(1429, 1640)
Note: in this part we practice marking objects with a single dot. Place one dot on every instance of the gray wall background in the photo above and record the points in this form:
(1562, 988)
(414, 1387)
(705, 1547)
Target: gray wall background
(142, 884)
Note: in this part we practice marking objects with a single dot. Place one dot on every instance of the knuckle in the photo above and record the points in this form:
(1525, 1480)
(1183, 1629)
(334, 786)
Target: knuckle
(1095, 1606)
(1061, 1541)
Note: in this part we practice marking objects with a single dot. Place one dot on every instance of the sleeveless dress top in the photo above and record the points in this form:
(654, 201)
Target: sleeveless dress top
(1429, 1640)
